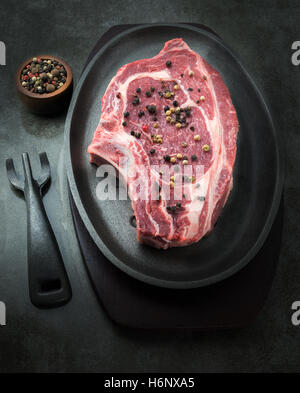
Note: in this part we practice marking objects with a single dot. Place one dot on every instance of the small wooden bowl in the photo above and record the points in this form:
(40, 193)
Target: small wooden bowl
(46, 103)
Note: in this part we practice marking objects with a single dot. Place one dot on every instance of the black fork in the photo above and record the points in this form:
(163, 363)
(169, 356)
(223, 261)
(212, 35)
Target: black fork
(48, 281)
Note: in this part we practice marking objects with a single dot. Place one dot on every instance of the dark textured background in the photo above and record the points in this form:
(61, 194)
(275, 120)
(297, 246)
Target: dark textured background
(79, 336)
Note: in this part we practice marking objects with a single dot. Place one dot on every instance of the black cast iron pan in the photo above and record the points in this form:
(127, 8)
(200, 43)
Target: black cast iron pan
(258, 176)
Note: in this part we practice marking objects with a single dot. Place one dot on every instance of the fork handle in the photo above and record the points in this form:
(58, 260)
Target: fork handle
(49, 285)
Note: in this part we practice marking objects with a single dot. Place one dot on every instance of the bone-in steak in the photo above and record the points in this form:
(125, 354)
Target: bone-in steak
(172, 110)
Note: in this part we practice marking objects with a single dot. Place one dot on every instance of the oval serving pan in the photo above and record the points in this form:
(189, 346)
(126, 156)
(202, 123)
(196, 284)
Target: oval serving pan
(258, 174)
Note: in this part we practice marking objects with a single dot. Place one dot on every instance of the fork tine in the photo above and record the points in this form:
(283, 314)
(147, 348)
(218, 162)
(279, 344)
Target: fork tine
(27, 169)
(45, 175)
(14, 179)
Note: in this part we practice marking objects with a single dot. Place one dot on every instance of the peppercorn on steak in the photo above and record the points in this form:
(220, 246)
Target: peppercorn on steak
(169, 127)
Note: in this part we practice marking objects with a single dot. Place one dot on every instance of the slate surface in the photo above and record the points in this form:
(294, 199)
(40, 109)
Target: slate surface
(80, 336)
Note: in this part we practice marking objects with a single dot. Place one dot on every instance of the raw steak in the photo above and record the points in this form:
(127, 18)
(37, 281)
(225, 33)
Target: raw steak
(172, 110)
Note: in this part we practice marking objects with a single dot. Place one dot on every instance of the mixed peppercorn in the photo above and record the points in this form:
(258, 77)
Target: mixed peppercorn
(173, 114)
(43, 76)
